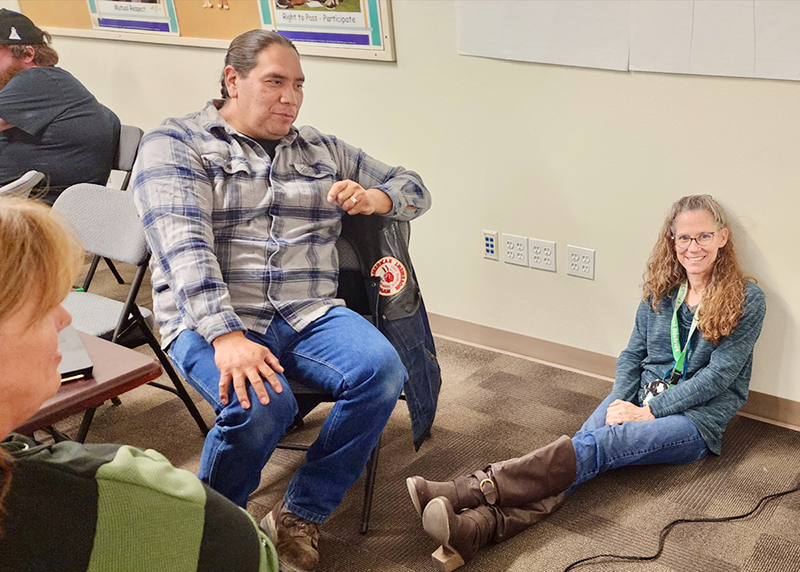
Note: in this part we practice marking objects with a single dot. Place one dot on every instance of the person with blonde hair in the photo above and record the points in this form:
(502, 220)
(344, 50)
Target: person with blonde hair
(684, 375)
(68, 506)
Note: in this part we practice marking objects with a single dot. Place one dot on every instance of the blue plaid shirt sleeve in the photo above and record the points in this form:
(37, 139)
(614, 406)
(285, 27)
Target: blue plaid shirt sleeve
(174, 196)
(409, 196)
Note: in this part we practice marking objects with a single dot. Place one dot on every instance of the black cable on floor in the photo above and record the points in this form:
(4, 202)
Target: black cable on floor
(665, 531)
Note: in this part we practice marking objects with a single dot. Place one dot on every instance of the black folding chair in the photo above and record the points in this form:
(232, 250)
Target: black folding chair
(353, 291)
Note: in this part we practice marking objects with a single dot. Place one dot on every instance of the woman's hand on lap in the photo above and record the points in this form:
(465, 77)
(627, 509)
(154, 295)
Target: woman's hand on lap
(621, 411)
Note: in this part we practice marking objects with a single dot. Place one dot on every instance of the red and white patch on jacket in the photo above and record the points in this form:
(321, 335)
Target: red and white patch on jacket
(392, 273)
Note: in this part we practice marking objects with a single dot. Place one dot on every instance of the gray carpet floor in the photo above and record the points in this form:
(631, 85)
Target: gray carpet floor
(494, 406)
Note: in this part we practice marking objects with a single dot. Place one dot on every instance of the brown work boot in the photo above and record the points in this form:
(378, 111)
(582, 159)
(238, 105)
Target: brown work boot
(296, 539)
(462, 492)
(460, 535)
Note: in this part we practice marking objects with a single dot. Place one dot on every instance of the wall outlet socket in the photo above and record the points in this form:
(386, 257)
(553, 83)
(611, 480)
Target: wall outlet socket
(516, 249)
(542, 254)
(490, 246)
(580, 262)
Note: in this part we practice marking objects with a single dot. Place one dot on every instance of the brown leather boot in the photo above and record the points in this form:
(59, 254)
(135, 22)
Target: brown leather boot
(542, 473)
(516, 482)
(462, 492)
(512, 520)
(296, 539)
(460, 535)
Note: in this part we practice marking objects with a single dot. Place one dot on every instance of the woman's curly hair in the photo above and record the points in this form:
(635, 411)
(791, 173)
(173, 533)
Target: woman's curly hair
(723, 298)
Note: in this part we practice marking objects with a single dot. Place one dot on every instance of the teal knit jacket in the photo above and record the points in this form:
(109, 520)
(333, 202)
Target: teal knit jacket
(717, 377)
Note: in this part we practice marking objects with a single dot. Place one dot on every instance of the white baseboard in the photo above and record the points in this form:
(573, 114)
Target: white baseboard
(761, 406)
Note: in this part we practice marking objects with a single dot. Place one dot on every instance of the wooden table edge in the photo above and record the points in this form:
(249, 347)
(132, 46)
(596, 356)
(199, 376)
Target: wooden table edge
(50, 414)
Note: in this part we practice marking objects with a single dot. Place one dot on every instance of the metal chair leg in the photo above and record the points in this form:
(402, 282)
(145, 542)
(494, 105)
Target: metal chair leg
(114, 271)
(60, 437)
(180, 390)
(369, 486)
(184, 395)
(57, 435)
(88, 415)
(93, 268)
(90, 274)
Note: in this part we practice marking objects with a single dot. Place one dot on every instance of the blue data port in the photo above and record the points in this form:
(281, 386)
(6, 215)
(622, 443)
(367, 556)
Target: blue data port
(490, 245)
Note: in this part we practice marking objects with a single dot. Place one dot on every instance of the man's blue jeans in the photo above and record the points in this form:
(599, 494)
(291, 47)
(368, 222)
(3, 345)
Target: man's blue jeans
(341, 353)
(667, 440)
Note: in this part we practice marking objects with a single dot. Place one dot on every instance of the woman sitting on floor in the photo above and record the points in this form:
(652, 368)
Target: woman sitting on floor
(72, 507)
(683, 376)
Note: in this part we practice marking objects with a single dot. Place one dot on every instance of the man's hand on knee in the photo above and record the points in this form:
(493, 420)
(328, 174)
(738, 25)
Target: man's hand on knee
(240, 360)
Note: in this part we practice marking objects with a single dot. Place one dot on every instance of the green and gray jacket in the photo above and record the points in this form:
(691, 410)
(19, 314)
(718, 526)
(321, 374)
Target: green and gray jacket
(74, 507)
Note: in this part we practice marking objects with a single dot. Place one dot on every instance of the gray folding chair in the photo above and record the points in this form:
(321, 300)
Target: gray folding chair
(109, 226)
(127, 149)
(23, 186)
(129, 139)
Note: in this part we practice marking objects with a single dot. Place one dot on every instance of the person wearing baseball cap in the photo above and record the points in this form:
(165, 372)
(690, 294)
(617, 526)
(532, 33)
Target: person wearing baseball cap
(16, 28)
(49, 121)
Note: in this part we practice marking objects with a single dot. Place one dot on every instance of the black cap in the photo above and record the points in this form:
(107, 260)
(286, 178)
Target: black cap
(16, 28)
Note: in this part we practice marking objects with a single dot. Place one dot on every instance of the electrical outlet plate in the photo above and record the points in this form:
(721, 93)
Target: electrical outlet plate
(490, 246)
(542, 254)
(580, 262)
(516, 249)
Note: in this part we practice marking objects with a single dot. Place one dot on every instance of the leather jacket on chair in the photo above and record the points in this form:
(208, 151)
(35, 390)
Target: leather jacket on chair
(392, 297)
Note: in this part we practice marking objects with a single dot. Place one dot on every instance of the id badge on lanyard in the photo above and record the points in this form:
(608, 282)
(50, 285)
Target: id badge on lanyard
(661, 385)
(678, 354)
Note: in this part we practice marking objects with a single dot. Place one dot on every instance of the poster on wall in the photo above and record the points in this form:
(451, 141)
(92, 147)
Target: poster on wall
(348, 24)
(733, 38)
(151, 16)
(585, 33)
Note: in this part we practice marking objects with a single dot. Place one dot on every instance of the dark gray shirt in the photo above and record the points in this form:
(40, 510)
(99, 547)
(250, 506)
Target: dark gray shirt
(59, 129)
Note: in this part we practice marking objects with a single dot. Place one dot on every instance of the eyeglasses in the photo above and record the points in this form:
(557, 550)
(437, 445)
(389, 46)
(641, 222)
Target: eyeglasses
(684, 241)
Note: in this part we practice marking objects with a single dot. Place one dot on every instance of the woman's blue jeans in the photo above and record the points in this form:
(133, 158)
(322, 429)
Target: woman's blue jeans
(673, 439)
(340, 352)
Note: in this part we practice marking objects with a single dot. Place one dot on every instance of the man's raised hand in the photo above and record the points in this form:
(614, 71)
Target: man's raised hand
(355, 199)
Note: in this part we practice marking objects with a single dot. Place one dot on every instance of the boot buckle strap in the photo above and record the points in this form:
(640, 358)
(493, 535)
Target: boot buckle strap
(486, 485)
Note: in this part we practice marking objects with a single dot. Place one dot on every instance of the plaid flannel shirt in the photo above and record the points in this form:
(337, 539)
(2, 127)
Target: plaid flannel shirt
(236, 237)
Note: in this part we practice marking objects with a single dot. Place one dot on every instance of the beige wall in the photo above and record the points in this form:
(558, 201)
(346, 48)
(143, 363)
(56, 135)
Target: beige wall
(579, 156)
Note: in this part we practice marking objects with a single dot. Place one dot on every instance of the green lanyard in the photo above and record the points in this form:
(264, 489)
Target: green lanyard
(675, 335)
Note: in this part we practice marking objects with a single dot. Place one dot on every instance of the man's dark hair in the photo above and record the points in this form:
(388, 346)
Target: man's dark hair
(43, 54)
(244, 50)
